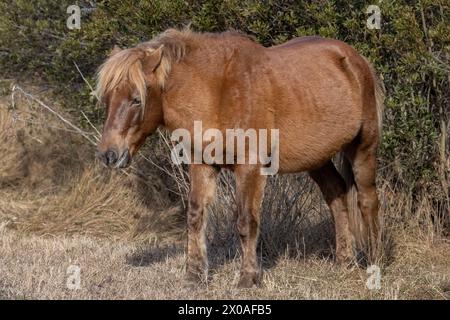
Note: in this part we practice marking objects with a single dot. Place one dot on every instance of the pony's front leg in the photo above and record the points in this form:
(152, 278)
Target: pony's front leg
(203, 182)
(250, 192)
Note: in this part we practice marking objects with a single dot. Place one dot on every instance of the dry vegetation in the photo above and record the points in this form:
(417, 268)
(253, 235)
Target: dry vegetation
(125, 230)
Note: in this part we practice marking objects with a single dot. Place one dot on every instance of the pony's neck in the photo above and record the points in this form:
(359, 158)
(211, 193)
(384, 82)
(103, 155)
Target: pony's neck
(194, 80)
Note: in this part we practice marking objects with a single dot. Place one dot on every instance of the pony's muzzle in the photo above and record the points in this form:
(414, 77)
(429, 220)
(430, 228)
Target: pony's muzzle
(108, 157)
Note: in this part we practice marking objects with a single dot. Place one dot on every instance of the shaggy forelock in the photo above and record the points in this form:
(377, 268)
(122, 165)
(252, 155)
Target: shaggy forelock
(125, 67)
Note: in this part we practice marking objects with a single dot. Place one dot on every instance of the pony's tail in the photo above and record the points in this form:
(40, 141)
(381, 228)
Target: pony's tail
(355, 217)
(354, 214)
(380, 94)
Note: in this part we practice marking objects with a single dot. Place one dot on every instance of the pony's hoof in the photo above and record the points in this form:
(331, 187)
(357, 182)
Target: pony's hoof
(345, 256)
(191, 285)
(346, 261)
(248, 281)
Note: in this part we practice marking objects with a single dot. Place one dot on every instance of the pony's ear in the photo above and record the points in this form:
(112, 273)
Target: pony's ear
(152, 59)
(115, 50)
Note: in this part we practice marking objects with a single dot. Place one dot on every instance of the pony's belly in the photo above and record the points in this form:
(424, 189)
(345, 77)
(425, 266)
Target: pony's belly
(293, 164)
(298, 155)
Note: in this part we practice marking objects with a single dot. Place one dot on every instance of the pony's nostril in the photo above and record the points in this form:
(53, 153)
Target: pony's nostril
(111, 157)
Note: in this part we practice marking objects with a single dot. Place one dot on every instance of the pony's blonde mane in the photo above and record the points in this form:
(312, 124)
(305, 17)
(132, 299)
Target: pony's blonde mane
(126, 66)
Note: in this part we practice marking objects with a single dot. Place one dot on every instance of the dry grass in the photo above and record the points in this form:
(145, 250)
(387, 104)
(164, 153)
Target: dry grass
(37, 268)
(125, 230)
(53, 185)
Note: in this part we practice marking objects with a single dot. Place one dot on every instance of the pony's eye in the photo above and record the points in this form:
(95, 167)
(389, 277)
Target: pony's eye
(136, 102)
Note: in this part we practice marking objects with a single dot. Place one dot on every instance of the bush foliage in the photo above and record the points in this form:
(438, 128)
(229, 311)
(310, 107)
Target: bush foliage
(411, 51)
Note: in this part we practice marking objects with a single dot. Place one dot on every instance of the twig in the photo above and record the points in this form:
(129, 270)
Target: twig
(97, 137)
(85, 80)
(181, 172)
(60, 117)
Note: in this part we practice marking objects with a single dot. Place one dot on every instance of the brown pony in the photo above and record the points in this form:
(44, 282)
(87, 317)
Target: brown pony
(322, 96)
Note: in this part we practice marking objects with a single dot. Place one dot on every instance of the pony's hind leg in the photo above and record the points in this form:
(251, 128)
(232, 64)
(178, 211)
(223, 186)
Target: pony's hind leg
(334, 190)
(363, 160)
(203, 183)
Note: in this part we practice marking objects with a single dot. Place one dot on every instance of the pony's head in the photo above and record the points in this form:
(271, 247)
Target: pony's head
(130, 83)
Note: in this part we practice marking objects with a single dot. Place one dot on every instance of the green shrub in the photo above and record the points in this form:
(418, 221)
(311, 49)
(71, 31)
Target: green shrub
(411, 52)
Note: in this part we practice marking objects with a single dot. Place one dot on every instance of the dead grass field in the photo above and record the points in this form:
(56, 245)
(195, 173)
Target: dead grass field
(125, 230)
(36, 268)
